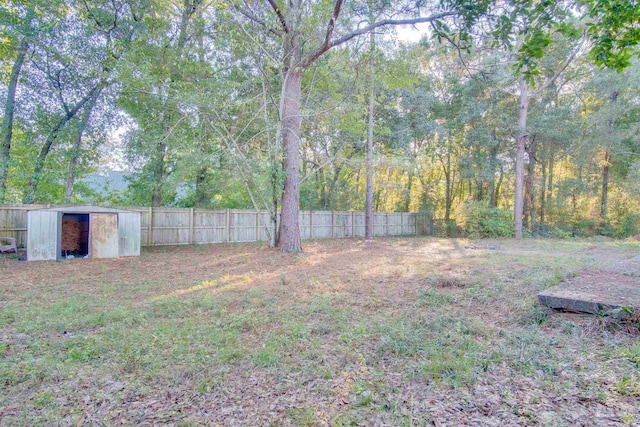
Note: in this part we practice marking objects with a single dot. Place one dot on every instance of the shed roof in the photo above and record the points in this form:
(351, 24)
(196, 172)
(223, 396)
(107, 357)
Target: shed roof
(84, 209)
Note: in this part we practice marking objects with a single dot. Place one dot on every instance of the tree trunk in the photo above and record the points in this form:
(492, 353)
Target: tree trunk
(522, 140)
(30, 192)
(368, 229)
(7, 120)
(543, 190)
(322, 188)
(274, 166)
(331, 190)
(447, 197)
(499, 184)
(530, 199)
(407, 196)
(77, 145)
(158, 172)
(158, 157)
(290, 117)
(604, 203)
(550, 176)
(493, 157)
(201, 187)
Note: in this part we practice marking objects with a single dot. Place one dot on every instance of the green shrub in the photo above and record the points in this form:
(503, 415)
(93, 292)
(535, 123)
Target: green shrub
(479, 220)
(583, 227)
(546, 230)
(629, 226)
(606, 230)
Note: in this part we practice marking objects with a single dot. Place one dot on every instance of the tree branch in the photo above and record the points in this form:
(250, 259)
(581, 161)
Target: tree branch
(249, 15)
(278, 12)
(332, 22)
(454, 44)
(386, 22)
(560, 70)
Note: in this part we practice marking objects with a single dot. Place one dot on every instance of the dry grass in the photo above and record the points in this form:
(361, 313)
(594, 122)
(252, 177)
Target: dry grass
(395, 332)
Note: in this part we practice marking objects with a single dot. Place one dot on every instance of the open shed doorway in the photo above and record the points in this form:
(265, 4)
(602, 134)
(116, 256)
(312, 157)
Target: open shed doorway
(75, 235)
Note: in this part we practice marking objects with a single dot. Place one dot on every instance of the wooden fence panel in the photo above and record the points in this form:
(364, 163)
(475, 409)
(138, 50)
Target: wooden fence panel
(360, 224)
(264, 223)
(242, 226)
(379, 224)
(209, 226)
(182, 226)
(322, 224)
(305, 224)
(342, 225)
(408, 224)
(394, 224)
(13, 222)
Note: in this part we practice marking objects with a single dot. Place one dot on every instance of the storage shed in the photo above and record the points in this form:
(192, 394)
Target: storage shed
(82, 232)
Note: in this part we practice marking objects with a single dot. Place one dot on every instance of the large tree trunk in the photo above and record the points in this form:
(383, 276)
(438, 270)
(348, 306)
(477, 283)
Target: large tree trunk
(290, 116)
(7, 120)
(75, 150)
(368, 229)
(522, 141)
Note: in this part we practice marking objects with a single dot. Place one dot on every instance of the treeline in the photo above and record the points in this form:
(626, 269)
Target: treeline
(503, 107)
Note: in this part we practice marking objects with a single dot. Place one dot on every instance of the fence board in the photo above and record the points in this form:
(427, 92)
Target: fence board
(182, 226)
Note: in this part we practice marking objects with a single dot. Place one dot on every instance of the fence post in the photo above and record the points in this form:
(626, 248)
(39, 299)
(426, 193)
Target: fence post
(333, 225)
(150, 234)
(257, 226)
(191, 220)
(353, 224)
(227, 226)
(310, 225)
(386, 217)
(402, 223)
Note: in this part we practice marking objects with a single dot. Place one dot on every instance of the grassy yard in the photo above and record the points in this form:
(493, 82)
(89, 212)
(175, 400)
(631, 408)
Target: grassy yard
(401, 332)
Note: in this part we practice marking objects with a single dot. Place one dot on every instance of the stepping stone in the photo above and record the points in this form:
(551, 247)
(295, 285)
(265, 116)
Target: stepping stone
(595, 291)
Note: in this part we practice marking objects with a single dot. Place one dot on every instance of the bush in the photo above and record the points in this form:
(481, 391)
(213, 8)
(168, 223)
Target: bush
(629, 226)
(546, 230)
(479, 221)
(583, 227)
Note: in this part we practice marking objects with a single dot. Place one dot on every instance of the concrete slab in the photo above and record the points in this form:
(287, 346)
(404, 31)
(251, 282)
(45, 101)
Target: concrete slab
(594, 291)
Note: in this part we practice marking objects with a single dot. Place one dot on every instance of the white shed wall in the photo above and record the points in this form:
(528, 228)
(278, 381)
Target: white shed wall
(129, 233)
(43, 235)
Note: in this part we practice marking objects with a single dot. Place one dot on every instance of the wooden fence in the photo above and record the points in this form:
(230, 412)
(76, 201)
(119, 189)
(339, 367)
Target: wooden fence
(184, 226)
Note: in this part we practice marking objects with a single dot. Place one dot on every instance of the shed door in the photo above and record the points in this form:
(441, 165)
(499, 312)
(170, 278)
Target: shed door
(103, 235)
(129, 233)
(43, 235)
